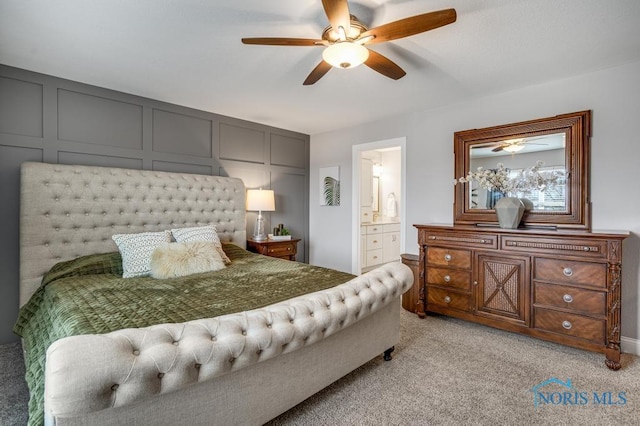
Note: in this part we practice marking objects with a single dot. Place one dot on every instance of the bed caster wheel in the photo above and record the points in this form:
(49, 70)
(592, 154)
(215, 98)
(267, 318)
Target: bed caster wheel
(387, 353)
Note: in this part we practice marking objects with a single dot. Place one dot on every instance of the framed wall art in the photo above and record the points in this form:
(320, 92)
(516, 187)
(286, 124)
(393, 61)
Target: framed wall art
(329, 179)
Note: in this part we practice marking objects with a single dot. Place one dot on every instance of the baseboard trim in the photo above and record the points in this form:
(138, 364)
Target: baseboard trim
(630, 346)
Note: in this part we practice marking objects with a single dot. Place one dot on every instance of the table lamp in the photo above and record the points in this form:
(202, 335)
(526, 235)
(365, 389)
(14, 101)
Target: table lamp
(260, 200)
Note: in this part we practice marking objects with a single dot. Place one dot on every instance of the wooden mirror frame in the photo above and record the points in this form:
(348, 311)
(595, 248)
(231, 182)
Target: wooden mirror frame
(577, 128)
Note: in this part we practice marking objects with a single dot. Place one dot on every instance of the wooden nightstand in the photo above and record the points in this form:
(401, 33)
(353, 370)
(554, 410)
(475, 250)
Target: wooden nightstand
(286, 249)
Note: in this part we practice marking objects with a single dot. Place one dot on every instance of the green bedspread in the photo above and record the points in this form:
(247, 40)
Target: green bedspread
(89, 296)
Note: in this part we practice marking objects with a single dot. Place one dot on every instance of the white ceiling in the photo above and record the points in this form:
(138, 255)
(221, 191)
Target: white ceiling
(188, 52)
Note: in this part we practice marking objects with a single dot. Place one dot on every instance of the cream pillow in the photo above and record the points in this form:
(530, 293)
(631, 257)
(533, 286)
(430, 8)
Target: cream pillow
(201, 233)
(136, 250)
(180, 259)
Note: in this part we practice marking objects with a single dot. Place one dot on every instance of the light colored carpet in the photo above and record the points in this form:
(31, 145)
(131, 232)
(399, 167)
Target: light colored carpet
(450, 372)
(14, 394)
(444, 372)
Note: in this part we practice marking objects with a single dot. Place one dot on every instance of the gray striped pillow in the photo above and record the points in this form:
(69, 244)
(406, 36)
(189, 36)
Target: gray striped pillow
(201, 233)
(136, 251)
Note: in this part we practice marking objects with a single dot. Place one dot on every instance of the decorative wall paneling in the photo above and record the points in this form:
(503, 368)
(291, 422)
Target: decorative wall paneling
(44, 118)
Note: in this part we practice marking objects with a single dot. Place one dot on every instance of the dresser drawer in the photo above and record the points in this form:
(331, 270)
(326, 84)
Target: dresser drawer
(373, 229)
(587, 248)
(449, 257)
(570, 324)
(374, 257)
(576, 299)
(570, 272)
(458, 239)
(374, 241)
(448, 299)
(282, 249)
(449, 278)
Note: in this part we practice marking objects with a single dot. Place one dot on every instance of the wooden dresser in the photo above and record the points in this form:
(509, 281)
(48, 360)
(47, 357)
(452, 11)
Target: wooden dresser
(561, 286)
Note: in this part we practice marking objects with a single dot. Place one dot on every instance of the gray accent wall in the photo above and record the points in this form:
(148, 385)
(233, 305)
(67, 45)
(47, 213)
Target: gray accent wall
(49, 119)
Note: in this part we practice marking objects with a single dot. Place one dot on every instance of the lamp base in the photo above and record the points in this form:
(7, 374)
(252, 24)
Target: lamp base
(258, 231)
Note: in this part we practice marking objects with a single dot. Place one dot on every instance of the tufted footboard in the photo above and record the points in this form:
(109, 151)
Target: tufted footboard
(91, 373)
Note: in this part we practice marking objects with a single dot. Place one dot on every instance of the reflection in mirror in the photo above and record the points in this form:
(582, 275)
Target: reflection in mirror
(517, 155)
(375, 194)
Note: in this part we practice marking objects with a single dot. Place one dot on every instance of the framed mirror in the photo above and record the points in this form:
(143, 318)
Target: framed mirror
(560, 142)
(375, 194)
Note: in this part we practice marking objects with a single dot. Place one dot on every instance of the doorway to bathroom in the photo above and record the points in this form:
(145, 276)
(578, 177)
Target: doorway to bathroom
(378, 203)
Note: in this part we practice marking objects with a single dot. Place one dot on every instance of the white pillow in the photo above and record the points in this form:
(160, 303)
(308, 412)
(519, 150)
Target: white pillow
(201, 233)
(180, 259)
(136, 250)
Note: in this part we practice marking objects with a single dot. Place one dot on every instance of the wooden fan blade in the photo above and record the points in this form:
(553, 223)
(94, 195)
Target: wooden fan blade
(384, 65)
(338, 13)
(282, 41)
(318, 72)
(410, 26)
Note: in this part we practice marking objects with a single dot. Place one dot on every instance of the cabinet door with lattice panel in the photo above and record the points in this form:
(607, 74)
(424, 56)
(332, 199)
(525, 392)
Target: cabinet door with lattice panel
(502, 290)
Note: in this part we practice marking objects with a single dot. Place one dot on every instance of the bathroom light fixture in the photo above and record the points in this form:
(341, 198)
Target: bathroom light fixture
(260, 200)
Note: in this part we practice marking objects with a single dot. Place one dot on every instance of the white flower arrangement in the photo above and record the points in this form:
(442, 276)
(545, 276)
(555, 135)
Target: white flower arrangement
(499, 179)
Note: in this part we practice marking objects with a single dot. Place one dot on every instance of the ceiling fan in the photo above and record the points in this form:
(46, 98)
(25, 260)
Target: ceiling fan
(345, 37)
(512, 145)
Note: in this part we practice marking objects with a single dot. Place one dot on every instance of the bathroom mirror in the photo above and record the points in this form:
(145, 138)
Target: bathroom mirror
(375, 194)
(561, 142)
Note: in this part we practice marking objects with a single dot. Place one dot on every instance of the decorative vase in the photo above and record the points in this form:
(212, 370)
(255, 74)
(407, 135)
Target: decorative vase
(509, 211)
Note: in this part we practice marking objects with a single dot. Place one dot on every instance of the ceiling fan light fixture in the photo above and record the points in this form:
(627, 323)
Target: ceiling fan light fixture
(345, 54)
(514, 147)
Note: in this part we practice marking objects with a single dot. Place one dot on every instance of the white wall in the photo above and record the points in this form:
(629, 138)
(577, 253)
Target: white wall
(612, 94)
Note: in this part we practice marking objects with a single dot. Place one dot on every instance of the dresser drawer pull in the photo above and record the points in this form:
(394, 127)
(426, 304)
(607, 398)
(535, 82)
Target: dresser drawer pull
(447, 299)
(566, 325)
(289, 248)
(375, 241)
(448, 257)
(366, 214)
(567, 272)
(567, 298)
(447, 278)
(375, 257)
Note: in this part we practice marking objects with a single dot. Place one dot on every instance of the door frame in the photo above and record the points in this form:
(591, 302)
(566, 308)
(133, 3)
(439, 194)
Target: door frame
(356, 151)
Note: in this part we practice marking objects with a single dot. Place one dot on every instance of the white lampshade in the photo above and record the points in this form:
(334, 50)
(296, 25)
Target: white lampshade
(260, 200)
(345, 54)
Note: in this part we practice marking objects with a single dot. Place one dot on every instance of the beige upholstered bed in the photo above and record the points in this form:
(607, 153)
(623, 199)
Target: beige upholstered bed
(273, 358)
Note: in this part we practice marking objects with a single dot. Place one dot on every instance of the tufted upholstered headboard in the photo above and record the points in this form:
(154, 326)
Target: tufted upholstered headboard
(71, 211)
